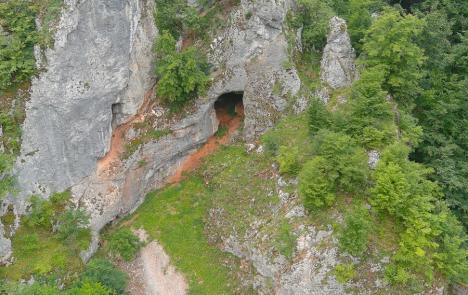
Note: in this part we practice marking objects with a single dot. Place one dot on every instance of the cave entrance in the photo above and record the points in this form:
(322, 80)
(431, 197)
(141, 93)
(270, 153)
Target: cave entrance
(117, 114)
(229, 107)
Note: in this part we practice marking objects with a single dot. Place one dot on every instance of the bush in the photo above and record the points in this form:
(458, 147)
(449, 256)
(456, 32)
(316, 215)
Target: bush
(345, 158)
(430, 239)
(288, 160)
(72, 225)
(391, 44)
(317, 184)
(354, 235)
(36, 289)
(313, 16)
(41, 214)
(104, 272)
(286, 240)
(124, 244)
(183, 75)
(90, 288)
(271, 144)
(344, 272)
(319, 116)
(17, 62)
(169, 15)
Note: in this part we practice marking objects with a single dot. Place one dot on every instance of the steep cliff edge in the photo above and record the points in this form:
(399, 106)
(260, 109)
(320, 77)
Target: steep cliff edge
(98, 76)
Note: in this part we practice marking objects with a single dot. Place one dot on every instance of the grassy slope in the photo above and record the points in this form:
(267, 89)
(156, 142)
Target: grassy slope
(233, 180)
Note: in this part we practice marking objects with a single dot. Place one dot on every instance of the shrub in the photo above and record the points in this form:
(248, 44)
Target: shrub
(286, 240)
(41, 214)
(354, 235)
(319, 116)
(271, 144)
(344, 272)
(105, 273)
(124, 244)
(183, 75)
(169, 15)
(313, 16)
(36, 289)
(90, 288)
(391, 44)
(345, 158)
(317, 184)
(288, 160)
(72, 224)
(403, 190)
(17, 63)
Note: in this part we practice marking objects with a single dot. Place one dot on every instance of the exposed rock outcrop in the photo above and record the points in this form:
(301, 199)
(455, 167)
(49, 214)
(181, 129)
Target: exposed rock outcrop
(337, 68)
(250, 56)
(97, 78)
(101, 57)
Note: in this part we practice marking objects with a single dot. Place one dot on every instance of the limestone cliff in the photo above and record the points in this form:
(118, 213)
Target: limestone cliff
(98, 81)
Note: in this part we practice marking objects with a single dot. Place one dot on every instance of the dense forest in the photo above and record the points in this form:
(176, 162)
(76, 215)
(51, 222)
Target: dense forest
(409, 105)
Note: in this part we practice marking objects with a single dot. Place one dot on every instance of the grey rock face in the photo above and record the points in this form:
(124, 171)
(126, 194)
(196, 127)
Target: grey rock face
(101, 57)
(5, 247)
(97, 77)
(337, 67)
(250, 56)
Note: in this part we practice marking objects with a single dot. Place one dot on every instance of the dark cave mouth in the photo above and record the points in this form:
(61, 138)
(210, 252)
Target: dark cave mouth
(228, 106)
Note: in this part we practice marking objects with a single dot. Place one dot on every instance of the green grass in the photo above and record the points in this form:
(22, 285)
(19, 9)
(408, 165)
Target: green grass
(175, 217)
(40, 253)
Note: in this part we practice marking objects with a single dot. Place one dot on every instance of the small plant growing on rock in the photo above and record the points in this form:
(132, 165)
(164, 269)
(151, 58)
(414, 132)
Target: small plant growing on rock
(344, 272)
(288, 160)
(124, 244)
(183, 75)
(353, 237)
(104, 272)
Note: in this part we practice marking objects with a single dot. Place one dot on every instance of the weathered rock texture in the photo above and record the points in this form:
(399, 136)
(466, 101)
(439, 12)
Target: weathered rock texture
(337, 67)
(102, 56)
(98, 76)
(250, 56)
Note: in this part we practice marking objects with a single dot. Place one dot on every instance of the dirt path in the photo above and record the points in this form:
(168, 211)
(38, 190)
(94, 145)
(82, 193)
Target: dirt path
(194, 160)
(160, 277)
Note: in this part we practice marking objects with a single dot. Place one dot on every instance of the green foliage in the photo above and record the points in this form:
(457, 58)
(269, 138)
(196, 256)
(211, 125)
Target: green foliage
(288, 159)
(72, 224)
(360, 19)
(369, 117)
(345, 158)
(313, 16)
(17, 61)
(104, 272)
(344, 272)
(44, 212)
(183, 75)
(391, 44)
(339, 166)
(319, 116)
(271, 145)
(403, 190)
(36, 289)
(316, 184)
(124, 244)
(90, 288)
(354, 235)
(41, 214)
(285, 241)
